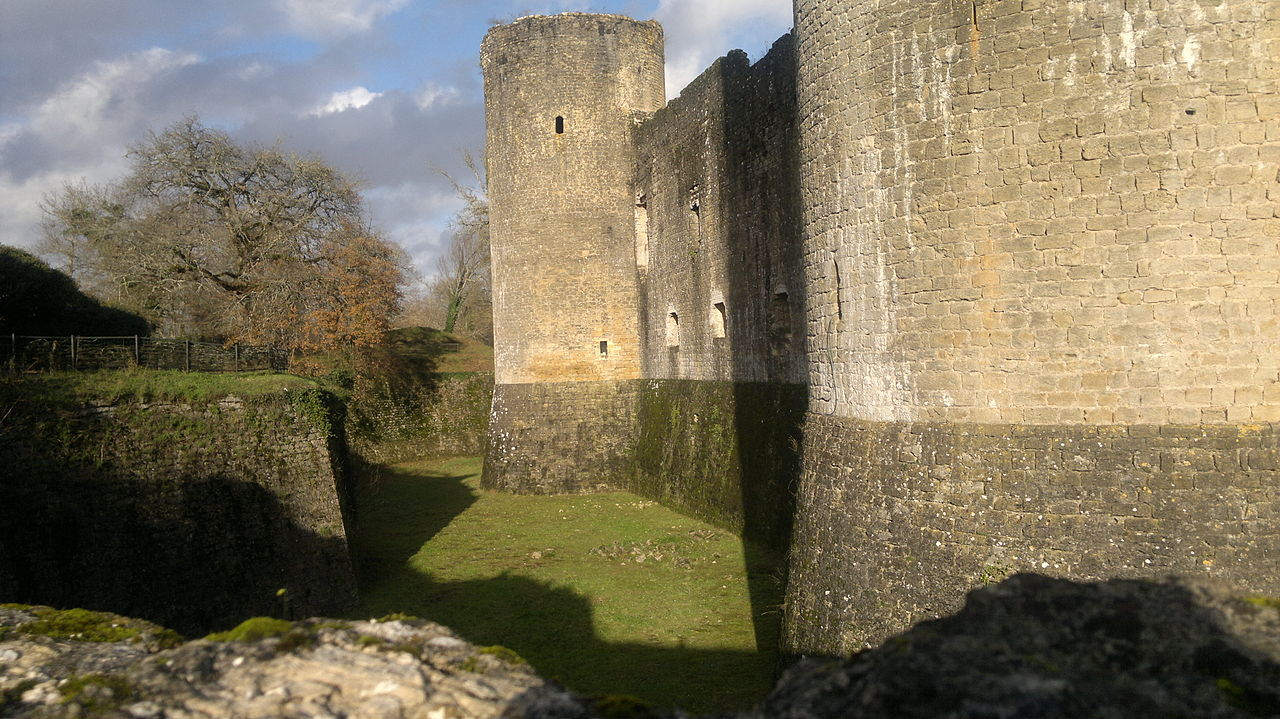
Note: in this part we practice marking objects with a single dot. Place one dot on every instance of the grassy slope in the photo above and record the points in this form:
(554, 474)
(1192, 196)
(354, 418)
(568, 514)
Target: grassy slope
(609, 593)
(446, 353)
(150, 385)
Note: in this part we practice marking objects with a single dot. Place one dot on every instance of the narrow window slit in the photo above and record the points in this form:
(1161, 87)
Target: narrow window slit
(604, 348)
(717, 320)
(779, 325)
(559, 125)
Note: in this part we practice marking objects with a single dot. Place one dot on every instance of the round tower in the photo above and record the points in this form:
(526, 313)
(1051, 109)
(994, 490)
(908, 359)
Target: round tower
(561, 96)
(1043, 261)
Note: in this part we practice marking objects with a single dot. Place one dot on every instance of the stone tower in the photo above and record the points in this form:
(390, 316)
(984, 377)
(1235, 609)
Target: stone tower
(1043, 263)
(562, 94)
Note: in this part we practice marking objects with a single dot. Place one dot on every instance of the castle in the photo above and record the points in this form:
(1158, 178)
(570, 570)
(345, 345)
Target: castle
(936, 291)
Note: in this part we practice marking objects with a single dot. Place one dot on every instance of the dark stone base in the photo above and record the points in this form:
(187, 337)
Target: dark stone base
(193, 517)
(896, 521)
(724, 452)
(560, 438)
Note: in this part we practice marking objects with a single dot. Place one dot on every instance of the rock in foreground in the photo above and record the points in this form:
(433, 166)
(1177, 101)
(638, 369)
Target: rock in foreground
(1030, 646)
(269, 668)
(1033, 646)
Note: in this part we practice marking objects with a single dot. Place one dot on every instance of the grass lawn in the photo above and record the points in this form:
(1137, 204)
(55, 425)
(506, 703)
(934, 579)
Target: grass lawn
(148, 385)
(609, 593)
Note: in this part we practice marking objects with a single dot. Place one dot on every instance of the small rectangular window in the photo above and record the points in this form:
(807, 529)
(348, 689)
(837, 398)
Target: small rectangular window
(559, 125)
(604, 348)
(717, 320)
(673, 330)
(779, 325)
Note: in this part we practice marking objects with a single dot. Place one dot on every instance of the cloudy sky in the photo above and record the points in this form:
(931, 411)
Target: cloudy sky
(386, 90)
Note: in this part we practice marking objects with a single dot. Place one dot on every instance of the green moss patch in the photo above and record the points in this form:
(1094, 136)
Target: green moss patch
(1260, 601)
(507, 655)
(97, 692)
(86, 626)
(252, 630)
(113, 386)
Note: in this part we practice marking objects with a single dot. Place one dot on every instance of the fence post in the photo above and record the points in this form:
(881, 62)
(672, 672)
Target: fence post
(237, 347)
(137, 351)
(186, 345)
(73, 352)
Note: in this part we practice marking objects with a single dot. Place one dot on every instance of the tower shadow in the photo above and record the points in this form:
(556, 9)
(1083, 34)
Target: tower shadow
(761, 197)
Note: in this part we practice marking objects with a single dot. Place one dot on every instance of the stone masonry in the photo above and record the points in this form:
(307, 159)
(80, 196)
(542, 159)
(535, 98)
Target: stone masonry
(1020, 260)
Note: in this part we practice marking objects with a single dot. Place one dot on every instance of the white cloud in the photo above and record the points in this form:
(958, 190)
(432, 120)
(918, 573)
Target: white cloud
(330, 18)
(432, 94)
(86, 108)
(416, 216)
(697, 32)
(88, 122)
(353, 99)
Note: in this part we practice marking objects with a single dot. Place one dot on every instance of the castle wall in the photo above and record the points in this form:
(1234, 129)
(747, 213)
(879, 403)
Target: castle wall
(561, 95)
(191, 515)
(1042, 264)
(718, 247)
(717, 180)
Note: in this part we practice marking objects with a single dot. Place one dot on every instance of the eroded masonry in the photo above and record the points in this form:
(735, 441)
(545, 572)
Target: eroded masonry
(932, 293)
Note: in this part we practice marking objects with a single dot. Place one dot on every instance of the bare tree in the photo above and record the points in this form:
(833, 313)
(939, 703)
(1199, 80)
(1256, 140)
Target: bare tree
(462, 273)
(208, 237)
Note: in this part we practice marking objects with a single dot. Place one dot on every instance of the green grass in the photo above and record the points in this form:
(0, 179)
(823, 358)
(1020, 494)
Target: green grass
(610, 594)
(150, 386)
(446, 353)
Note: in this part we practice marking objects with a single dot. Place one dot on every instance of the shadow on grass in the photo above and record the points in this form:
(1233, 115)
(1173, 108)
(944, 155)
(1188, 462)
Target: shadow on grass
(552, 627)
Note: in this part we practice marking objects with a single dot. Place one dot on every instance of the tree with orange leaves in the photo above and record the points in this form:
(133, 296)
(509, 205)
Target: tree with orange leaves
(209, 238)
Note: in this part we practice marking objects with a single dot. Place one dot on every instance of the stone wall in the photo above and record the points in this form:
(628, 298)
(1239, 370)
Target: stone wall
(718, 237)
(724, 452)
(1043, 260)
(189, 515)
(1052, 213)
(560, 437)
(904, 517)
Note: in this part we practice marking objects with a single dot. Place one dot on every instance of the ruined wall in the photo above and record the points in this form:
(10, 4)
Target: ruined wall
(191, 515)
(717, 189)
(718, 256)
(1041, 251)
(561, 94)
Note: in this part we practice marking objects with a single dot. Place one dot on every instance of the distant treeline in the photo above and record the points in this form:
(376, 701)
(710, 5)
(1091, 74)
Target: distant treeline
(36, 299)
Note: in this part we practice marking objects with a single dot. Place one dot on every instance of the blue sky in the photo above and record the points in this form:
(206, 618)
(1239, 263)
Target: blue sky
(386, 90)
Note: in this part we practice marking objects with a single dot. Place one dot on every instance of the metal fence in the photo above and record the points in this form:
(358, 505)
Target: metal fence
(22, 354)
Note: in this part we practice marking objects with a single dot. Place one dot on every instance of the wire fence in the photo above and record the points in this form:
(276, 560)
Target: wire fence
(23, 354)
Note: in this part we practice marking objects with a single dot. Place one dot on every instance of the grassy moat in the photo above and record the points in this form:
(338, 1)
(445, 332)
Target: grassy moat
(609, 594)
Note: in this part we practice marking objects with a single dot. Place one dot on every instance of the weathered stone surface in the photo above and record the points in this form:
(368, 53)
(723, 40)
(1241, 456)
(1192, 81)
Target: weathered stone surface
(1032, 646)
(896, 520)
(318, 668)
